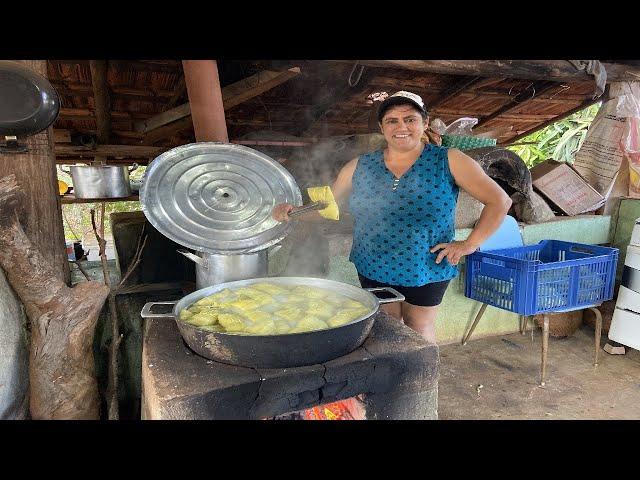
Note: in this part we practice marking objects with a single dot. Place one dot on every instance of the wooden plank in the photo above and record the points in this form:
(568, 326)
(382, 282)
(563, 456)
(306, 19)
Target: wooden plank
(257, 84)
(517, 117)
(232, 95)
(62, 135)
(168, 130)
(88, 114)
(517, 101)
(163, 118)
(142, 151)
(554, 70)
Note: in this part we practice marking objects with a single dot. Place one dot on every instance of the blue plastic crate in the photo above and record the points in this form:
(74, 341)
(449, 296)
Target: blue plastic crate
(552, 276)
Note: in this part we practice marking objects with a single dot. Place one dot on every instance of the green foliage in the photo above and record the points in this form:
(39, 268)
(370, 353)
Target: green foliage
(559, 141)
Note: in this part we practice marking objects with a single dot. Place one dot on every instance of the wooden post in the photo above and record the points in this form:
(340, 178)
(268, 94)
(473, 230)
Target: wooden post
(35, 172)
(101, 103)
(205, 99)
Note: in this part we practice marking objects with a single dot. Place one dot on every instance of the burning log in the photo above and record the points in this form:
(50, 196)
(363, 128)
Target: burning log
(63, 320)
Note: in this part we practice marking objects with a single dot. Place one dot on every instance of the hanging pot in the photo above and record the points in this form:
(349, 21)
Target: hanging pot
(101, 181)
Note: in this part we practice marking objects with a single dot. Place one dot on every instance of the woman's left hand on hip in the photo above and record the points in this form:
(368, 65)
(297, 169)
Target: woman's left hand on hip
(454, 251)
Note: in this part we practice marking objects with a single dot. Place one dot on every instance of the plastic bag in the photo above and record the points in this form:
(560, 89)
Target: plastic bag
(437, 126)
(629, 107)
(631, 148)
(462, 126)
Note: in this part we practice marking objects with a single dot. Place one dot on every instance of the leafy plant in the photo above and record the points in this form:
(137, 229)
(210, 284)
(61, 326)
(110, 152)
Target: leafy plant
(559, 141)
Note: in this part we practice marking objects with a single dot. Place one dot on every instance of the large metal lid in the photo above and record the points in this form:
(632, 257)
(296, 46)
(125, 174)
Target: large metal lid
(217, 197)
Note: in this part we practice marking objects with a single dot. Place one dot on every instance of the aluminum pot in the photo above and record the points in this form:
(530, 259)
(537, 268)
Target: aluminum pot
(278, 351)
(214, 268)
(101, 181)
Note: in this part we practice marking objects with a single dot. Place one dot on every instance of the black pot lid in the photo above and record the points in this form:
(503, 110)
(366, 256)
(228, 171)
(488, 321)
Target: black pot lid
(217, 197)
(29, 102)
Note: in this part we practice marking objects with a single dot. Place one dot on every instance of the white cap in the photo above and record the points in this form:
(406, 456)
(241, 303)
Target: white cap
(414, 99)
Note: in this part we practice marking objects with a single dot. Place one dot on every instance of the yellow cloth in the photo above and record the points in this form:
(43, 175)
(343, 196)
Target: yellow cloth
(323, 194)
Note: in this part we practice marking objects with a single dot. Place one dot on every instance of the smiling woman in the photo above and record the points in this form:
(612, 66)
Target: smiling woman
(403, 201)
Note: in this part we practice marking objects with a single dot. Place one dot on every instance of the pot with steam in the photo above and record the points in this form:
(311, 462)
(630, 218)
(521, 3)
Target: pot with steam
(278, 351)
(216, 199)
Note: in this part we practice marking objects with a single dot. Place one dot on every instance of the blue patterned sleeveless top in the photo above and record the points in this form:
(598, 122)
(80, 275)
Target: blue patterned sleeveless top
(397, 221)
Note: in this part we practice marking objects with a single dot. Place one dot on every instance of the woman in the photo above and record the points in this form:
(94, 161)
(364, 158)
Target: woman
(403, 200)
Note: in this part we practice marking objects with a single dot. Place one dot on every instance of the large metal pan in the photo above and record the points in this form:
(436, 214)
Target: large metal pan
(278, 351)
(28, 102)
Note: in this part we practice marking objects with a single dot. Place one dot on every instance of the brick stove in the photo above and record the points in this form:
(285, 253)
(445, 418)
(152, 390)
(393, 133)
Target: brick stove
(394, 375)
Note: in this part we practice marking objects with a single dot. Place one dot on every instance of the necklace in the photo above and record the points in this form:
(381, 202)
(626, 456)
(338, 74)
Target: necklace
(396, 181)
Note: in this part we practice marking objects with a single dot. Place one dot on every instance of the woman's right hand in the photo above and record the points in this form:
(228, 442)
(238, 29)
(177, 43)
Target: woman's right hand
(281, 212)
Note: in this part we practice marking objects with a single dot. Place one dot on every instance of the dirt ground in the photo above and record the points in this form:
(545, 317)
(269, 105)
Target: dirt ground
(498, 378)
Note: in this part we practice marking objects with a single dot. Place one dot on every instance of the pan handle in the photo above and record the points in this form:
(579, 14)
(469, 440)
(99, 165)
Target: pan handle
(146, 310)
(398, 297)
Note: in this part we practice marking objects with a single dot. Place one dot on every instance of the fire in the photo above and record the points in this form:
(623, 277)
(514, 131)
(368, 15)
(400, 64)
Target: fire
(349, 409)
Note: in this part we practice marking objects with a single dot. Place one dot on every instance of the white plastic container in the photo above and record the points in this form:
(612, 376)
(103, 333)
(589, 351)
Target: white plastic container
(625, 328)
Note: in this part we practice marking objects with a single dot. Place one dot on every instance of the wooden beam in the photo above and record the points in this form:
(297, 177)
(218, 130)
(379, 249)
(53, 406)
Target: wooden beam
(566, 114)
(517, 117)
(553, 70)
(555, 98)
(232, 95)
(88, 114)
(255, 85)
(168, 130)
(517, 101)
(164, 118)
(135, 151)
(63, 135)
(101, 102)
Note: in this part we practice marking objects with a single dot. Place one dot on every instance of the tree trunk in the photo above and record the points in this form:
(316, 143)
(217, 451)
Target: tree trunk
(35, 171)
(63, 319)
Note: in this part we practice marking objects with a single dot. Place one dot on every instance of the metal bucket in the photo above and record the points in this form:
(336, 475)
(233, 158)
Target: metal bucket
(103, 181)
(213, 268)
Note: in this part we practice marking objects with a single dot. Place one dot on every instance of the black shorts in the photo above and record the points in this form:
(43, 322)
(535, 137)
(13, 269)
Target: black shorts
(429, 295)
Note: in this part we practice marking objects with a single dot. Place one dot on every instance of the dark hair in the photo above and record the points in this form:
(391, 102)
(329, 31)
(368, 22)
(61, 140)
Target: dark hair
(394, 101)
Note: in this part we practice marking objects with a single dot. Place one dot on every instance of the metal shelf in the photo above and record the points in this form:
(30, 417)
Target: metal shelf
(65, 199)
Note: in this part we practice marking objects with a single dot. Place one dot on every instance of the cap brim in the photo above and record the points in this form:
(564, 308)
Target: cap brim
(392, 101)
